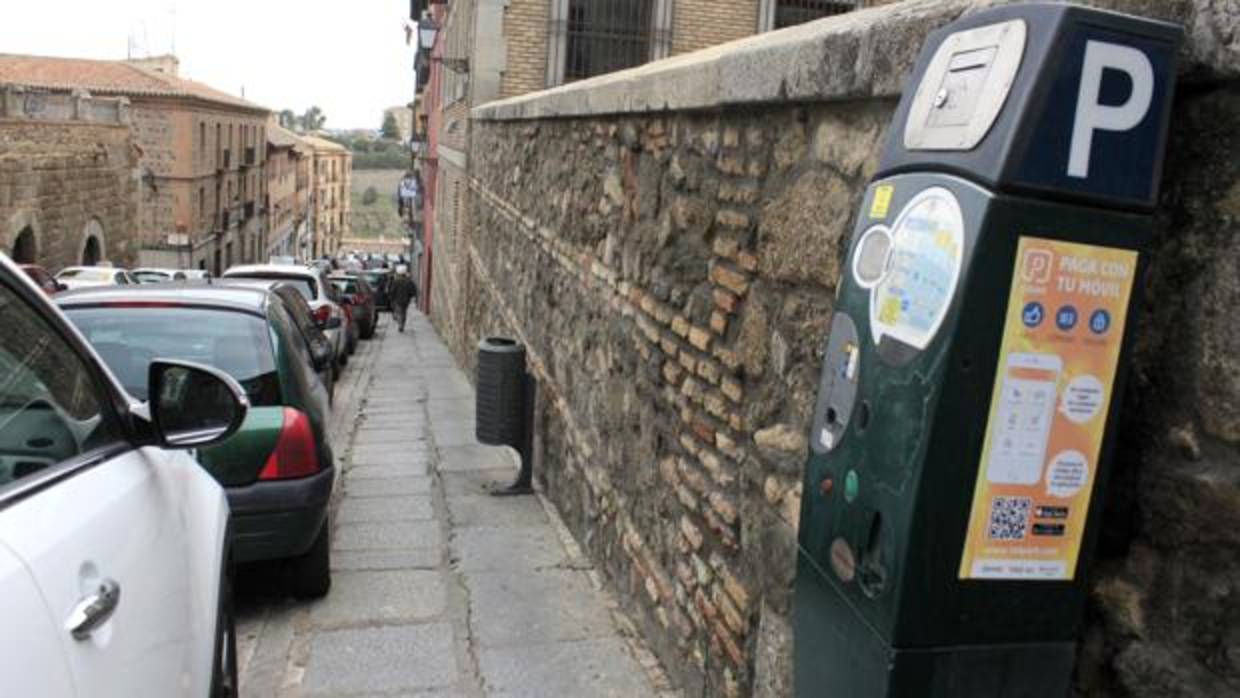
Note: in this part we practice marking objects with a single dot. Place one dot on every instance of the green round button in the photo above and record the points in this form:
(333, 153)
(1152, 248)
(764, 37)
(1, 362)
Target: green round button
(850, 486)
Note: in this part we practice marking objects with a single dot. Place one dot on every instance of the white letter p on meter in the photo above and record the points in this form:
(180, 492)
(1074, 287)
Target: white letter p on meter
(1091, 115)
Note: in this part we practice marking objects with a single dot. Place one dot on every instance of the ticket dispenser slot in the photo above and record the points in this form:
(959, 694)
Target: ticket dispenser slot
(967, 399)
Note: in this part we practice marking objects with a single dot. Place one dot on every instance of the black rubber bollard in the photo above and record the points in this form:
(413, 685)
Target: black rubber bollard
(504, 406)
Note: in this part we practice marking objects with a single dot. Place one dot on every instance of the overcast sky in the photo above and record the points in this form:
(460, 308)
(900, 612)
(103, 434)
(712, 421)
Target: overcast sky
(347, 56)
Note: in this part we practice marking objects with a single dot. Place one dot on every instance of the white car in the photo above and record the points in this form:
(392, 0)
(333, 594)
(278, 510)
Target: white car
(155, 275)
(113, 540)
(322, 296)
(80, 277)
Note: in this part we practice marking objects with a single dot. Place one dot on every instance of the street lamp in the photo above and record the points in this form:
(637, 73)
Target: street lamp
(428, 30)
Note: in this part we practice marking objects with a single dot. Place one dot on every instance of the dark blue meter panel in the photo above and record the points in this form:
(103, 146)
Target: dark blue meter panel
(1054, 101)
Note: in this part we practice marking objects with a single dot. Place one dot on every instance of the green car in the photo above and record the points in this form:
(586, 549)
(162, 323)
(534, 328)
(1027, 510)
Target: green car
(277, 469)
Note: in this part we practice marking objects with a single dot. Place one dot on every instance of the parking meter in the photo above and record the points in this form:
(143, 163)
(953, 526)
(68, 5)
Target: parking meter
(976, 357)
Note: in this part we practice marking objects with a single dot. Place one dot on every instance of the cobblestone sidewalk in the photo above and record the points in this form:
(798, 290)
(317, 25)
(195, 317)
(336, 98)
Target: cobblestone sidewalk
(440, 589)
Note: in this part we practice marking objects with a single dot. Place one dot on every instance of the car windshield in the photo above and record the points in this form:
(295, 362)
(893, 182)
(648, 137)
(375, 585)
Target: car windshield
(151, 276)
(306, 287)
(87, 274)
(374, 278)
(128, 336)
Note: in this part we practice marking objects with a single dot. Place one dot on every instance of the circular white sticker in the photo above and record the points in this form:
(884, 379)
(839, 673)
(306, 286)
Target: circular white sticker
(873, 252)
(927, 245)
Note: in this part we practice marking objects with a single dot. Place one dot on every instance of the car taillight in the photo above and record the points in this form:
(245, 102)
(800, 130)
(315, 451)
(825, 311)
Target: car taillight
(295, 454)
(322, 314)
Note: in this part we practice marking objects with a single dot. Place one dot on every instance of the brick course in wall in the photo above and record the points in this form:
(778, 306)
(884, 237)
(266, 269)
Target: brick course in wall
(526, 26)
(698, 24)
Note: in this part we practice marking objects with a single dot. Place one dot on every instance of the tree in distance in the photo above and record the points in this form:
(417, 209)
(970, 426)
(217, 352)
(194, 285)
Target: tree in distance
(288, 119)
(313, 119)
(370, 196)
(390, 130)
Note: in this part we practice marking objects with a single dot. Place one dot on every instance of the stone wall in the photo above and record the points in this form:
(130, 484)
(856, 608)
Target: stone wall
(67, 178)
(667, 242)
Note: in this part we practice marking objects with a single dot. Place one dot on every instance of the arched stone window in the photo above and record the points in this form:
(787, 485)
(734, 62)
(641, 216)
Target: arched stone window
(25, 248)
(92, 243)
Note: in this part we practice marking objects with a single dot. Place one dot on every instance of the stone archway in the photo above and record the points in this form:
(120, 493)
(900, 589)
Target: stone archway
(92, 244)
(23, 237)
(25, 249)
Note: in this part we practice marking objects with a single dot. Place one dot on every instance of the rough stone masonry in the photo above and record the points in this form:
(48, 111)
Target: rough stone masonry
(667, 242)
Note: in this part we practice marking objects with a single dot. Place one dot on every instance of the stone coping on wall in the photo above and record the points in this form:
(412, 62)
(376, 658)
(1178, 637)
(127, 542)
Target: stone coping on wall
(859, 55)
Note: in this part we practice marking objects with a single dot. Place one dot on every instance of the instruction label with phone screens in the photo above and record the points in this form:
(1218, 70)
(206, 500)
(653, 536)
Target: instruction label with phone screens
(1048, 410)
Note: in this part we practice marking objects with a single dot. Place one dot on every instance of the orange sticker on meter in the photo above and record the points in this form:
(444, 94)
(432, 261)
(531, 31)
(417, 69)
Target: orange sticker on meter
(1048, 410)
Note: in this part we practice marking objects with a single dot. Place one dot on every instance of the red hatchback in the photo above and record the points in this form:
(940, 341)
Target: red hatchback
(42, 278)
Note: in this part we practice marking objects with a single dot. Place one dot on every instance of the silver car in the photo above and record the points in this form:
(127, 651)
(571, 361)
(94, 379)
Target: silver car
(319, 293)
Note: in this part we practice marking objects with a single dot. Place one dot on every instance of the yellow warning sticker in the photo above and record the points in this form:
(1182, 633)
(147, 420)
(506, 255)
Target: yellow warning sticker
(882, 201)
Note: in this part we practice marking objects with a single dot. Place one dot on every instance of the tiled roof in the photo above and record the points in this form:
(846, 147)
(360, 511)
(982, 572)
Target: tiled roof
(281, 137)
(107, 78)
(324, 144)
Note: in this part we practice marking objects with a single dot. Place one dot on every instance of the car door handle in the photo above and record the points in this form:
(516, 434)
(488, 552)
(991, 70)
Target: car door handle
(94, 610)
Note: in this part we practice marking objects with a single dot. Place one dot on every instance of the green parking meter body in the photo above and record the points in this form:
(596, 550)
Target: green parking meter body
(976, 357)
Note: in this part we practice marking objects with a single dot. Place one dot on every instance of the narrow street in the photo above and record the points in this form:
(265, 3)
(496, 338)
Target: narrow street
(438, 588)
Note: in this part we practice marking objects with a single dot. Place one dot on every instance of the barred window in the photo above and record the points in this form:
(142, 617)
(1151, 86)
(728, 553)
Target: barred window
(791, 12)
(606, 35)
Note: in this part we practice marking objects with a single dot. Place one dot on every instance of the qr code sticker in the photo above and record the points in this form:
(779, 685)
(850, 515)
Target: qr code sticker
(1009, 518)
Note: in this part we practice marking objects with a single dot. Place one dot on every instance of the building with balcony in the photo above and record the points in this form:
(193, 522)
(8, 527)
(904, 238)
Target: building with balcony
(331, 186)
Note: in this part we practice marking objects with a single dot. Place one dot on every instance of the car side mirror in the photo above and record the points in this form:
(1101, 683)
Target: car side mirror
(193, 405)
(321, 354)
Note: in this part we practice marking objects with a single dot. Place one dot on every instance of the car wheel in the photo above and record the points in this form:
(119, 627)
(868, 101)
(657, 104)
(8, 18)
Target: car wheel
(224, 675)
(309, 576)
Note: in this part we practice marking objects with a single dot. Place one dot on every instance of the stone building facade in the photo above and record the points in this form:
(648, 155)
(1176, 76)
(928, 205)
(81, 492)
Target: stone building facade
(201, 155)
(286, 203)
(331, 178)
(68, 184)
(667, 243)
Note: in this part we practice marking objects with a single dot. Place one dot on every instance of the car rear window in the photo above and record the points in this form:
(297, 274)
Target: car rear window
(128, 336)
(151, 276)
(344, 285)
(306, 287)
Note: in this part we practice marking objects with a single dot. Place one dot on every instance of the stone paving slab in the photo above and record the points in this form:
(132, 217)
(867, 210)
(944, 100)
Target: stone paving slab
(512, 609)
(412, 467)
(378, 435)
(503, 512)
(596, 668)
(373, 509)
(402, 658)
(380, 596)
(414, 558)
(385, 453)
(387, 487)
(388, 535)
(474, 457)
(455, 435)
(485, 548)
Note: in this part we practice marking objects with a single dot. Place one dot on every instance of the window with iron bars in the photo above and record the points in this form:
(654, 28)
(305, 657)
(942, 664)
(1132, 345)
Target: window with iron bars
(791, 12)
(606, 35)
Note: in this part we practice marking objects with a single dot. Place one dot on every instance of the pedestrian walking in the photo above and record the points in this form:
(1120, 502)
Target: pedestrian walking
(402, 292)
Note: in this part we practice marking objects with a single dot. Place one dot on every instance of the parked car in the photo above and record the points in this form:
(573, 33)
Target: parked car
(196, 274)
(379, 279)
(113, 540)
(42, 278)
(277, 470)
(317, 343)
(318, 292)
(361, 297)
(154, 275)
(81, 277)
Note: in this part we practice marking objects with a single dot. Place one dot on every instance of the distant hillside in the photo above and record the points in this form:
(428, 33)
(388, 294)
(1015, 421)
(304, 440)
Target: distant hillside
(370, 153)
(369, 220)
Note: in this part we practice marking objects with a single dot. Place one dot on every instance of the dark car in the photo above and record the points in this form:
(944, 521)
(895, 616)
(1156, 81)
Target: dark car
(319, 344)
(277, 468)
(379, 280)
(356, 291)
